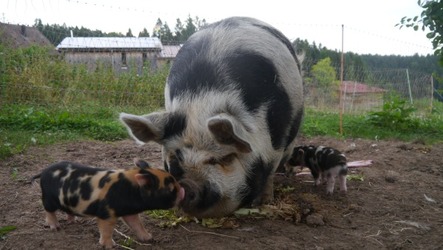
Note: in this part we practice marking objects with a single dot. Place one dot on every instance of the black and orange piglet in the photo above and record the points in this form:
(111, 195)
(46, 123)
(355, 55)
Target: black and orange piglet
(107, 195)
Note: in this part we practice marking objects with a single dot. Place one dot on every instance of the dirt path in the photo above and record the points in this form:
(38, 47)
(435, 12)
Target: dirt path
(397, 205)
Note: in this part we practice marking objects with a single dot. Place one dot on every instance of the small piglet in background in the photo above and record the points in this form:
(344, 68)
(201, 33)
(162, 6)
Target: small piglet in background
(325, 163)
(107, 195)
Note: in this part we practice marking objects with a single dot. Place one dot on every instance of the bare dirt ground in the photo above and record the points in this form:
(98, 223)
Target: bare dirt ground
(397, 205)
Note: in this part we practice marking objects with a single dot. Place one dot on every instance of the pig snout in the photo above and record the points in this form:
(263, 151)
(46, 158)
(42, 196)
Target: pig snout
(181, 196)
(198, 196)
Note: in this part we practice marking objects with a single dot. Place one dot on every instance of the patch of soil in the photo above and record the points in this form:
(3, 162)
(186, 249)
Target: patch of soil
(397, 205)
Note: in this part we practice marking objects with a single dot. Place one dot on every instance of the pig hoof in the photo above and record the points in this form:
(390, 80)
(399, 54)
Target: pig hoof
(55, 227)
(107, 244)
(145, 237)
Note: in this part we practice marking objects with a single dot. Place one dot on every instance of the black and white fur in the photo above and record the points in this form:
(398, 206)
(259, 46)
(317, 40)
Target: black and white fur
(234, 103)
(325, 163)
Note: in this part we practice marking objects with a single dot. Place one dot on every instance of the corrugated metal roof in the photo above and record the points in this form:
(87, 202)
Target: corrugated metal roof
(170, 51)
(110, 43)
(357, 87)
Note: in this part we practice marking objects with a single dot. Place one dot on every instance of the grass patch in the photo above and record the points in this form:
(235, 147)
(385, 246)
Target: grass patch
(22, 126)
(5, 230)
(426, 128)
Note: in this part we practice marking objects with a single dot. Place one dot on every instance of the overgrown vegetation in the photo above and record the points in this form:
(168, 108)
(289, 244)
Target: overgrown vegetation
(45, 100)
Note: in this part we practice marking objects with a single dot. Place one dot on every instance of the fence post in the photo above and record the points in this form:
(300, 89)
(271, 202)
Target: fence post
(409, 86)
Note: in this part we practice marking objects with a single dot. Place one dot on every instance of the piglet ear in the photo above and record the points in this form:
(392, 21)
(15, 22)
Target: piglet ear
(300, 153)
(141, 163)
(142, 180)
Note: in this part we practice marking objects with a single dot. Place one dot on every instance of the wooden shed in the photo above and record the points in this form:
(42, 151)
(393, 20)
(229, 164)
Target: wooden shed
(360, 96)
(123, 54)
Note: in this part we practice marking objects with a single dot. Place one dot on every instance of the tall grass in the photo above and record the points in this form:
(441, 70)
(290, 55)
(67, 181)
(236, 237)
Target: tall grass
(45, 100)
(38, 75)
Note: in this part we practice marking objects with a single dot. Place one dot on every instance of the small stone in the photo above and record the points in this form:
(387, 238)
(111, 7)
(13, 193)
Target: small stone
(315, 220)
(391, 176)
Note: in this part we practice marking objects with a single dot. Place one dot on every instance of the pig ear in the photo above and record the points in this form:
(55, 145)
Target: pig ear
(224, 132)
(300, 153)
(141, 163)
(142, 180)
(145, 128)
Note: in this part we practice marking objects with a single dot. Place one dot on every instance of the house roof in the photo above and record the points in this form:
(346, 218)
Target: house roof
(21, 36)
(110, 43)
(170, 51)
(351, 87)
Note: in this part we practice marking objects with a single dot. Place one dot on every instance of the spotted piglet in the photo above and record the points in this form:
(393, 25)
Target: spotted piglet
(107, 195)
(325, 163)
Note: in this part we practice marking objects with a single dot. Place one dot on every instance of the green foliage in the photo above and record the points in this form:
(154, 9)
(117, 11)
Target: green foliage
(5, 230)
(35, 74)
(56, 33)
(181, 31)
(396, 115)
(320, 123)
(358, 126)
(169, 218)
(324, 74)
(22, 126)
(432, 18)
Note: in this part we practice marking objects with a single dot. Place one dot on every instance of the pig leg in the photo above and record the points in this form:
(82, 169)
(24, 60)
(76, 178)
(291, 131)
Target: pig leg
(106, 228)
(330, 183)
(133, 221)
(342, 181)
(51, 220)
(71, 218)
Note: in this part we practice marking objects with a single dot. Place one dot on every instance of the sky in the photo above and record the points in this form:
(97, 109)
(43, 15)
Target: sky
(359, 26)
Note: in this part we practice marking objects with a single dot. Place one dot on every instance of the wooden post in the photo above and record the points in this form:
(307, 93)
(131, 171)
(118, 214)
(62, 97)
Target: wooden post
(341, 104)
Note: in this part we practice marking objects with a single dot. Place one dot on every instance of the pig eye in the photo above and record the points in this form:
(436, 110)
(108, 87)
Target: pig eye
(212, 161)
(225, 160)
(228, 159)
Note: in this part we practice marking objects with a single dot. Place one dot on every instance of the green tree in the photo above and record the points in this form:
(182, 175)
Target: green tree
(157, 28)
(324, 74)
(129, 33)
(432, 18)
(144, 33)
(166, 34)
(189, 29)
(178, 30)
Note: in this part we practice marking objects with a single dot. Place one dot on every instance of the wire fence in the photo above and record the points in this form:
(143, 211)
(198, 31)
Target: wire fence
(358, 96)
(74, 86)
(131, 76)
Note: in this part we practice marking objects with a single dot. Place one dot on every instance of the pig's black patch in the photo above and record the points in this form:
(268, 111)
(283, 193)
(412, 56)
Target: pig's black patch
(98, 208)
(73, 200)
(174, 168)
(192, 72)
(175, 125)
(86, 189)
(102, 182)
(260, 172)
(260, 85)
(208, 197)
(294, 127)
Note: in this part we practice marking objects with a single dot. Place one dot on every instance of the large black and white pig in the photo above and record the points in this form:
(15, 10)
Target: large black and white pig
(234, 103)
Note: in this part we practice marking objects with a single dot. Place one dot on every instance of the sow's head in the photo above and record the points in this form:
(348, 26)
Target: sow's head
(208, 163)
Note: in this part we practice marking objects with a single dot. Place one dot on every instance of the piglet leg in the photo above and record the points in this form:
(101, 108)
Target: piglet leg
(342, 181)
(106, 228)
(51, 220)
(330, 183)
(133, 221)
